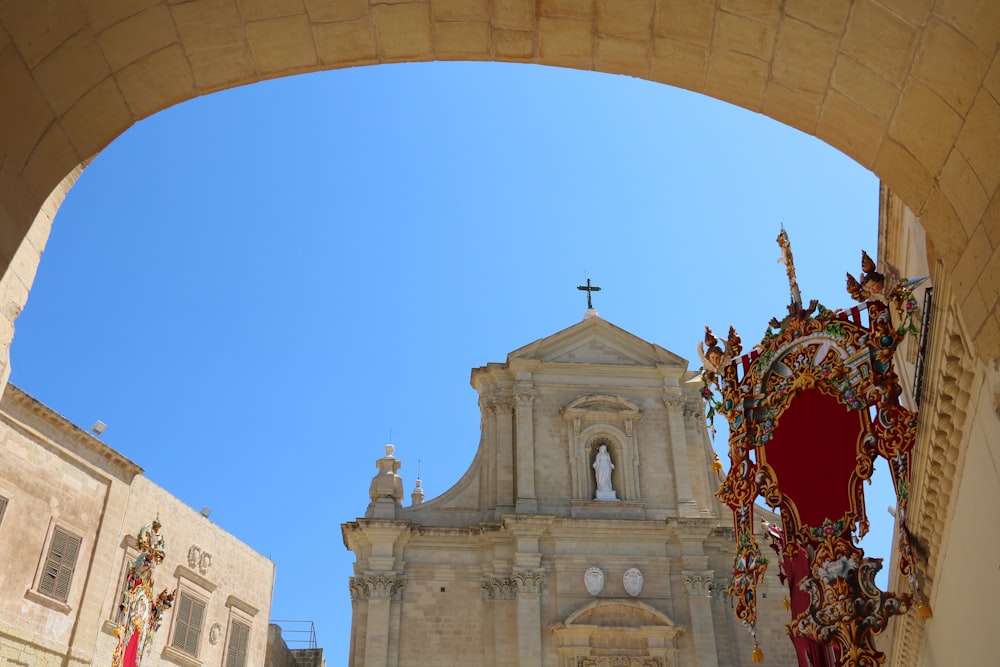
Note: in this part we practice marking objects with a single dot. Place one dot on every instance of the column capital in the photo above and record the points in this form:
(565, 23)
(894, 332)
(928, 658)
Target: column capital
(499, 588)
(698, 583)
(376, 587)
(529, 582)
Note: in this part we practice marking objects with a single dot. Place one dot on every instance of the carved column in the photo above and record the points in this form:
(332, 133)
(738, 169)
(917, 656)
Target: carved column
(699, 585)
(529, 618)
(503, 409)
(525, 397)
(674, 402)
(379, 592)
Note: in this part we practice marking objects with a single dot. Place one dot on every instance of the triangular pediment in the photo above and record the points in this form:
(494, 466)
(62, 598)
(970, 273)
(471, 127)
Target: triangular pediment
(596, 341)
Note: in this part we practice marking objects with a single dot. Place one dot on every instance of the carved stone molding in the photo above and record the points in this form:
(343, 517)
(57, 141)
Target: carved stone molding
(376, 587)
(529, 582)
(199, 558)
(699, 583)
(499, 588)
(618, 661)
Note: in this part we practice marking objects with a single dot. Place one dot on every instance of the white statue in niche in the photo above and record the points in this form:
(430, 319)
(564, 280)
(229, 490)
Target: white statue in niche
(593, 579)
(602, 471)
(632, 579)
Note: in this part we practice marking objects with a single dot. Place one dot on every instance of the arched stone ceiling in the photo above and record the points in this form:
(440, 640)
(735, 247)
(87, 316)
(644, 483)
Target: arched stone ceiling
(908, 88)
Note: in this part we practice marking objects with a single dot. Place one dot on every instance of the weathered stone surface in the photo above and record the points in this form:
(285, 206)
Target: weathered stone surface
(461, 40)
(138, 35)
(679, 63)
(879, 40)
(282, 44)
(403, 31)
(346, 43)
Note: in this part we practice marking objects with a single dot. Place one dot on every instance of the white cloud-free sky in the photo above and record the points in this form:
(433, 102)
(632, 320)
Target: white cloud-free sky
(255, 288)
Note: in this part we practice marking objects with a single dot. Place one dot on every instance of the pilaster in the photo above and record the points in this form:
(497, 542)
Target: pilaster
(524, 396)
(503, 409)
(674, 402)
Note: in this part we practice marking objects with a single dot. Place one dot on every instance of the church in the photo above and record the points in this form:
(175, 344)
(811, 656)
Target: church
(588, 435)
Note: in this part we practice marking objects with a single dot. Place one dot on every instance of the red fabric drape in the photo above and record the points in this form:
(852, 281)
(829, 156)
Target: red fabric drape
(813, 452)
(131, 651)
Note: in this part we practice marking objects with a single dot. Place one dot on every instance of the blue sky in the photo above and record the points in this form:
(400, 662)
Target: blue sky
(255, 288)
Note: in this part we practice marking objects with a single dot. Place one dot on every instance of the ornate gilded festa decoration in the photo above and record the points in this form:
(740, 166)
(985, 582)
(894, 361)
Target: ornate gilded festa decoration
(809, 409)
(140, 611)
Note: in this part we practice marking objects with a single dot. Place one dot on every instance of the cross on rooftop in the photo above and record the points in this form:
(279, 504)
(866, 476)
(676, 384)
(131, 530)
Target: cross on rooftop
(589, 289)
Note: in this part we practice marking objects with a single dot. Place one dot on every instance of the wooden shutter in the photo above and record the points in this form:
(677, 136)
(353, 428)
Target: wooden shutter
(3, 507)
(60, 564)
(187, 629)
(239, 638)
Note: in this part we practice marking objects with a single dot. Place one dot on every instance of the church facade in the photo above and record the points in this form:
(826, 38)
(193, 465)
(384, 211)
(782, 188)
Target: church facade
(585, 532)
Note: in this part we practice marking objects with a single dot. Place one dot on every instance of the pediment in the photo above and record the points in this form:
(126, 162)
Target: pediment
(596, 341)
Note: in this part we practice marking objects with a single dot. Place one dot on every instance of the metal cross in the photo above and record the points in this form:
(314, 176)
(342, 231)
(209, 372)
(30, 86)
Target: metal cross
(589, 289)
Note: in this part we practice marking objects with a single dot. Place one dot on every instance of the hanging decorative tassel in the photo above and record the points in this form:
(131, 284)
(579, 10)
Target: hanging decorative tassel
(924, 611)
(717, 465)
(757, 655)
(785, 604)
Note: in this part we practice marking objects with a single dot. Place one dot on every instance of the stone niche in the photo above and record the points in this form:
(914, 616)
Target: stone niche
(600, 419)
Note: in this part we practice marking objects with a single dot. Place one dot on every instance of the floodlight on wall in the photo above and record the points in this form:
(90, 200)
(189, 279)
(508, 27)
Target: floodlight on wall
(98, 427)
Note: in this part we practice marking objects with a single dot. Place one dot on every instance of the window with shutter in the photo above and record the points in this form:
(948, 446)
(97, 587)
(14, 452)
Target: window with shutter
(189, 613)
(60, 563)
(3, 507)
(239, 638)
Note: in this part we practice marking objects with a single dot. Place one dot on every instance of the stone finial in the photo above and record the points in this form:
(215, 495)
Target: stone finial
(387, 484)
(418, 493)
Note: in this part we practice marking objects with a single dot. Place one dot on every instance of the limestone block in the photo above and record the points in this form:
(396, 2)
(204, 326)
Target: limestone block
(992, 81)
(793, 107)
(565, 42)
(255, 10)
(102, 14)
(959, 184)
(766, 11)
(456, 10)
(207, 25)
(926, 125)
(904, 174)
(679, 63)
(157, 81)
(350, 42)
(227, 67)
(991, 223)
(979, 140)
(830, 16)
(979, 21)
(514, 14)
(513, 45)
(54, 157)
(577, 8)
(462, 40)
(969, 269)
(21, 124)
(403, 31)
(282, 45)
(622, 56)
(689, 20)
(71, 70)
(742, 35)
(987, 340)
(950, 65)
(138, 35)
(343, 10)
(973, 309)
(850, 128)
(16, 199)
(624, 19)
(736, 78)
(803, 57)
(944, 232)
(40, 26)
(880, 40)
(97, 118)
(866, 88)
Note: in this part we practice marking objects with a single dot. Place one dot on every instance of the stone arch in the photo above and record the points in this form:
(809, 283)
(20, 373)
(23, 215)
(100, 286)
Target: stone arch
(909, 91)
(629, 630)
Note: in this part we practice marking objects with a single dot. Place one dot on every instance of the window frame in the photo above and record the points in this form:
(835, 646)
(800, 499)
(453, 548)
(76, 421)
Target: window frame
(56, 531)
(183, 594)
(244, 625)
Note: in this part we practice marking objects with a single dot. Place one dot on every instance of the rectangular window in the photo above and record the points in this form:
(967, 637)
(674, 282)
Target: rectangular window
(239, 638)
(59, 564)
(3, 507)
(189, 612)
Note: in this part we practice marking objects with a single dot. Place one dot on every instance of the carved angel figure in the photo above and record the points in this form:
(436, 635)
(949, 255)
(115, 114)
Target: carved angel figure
(713, 357)
(873, 286)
